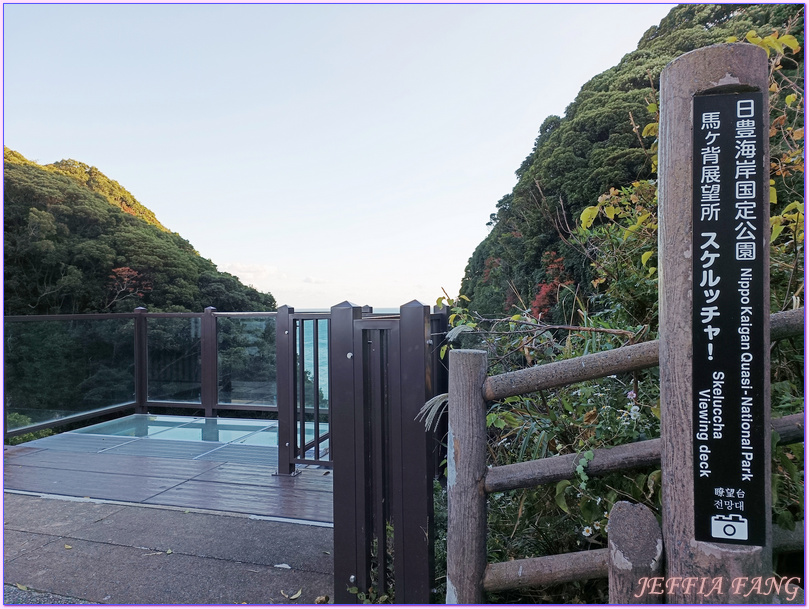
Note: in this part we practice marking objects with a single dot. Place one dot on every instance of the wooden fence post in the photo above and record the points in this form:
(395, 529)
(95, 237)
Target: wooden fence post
(720, 70)
(466, 469)
(636, 555)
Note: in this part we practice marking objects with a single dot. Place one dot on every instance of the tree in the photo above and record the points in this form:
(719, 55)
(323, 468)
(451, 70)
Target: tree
(595, 147)
(77, 242)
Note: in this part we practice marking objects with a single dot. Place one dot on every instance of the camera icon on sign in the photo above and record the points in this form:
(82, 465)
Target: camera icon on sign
(732, 526)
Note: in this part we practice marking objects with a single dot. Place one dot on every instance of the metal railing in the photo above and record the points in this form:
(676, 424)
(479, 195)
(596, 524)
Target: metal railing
(63, 369)
(384, 368)
(347, 385)
(303, 390)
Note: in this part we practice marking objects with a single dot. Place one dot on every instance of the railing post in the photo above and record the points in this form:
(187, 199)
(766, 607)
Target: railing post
(141, 361)
(286, 383)
(210, 380)
(414, 533)
(440, 373)
(466, 470)
(351, 563)
(700, 202)
(636, 555)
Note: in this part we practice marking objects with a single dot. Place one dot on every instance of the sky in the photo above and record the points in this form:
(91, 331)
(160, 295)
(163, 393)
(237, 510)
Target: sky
(319, 152)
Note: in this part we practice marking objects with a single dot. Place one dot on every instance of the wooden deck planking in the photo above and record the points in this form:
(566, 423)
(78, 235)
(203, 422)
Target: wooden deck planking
(95, 485)
(260, 455)
(115, 464)
(12, 452)
(77, 442)
(184, 474)
(263, 475)
(287, 502)
(170, 449)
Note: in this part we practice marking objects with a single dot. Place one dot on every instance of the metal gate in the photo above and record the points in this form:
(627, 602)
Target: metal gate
(383, 370)
(304, 408)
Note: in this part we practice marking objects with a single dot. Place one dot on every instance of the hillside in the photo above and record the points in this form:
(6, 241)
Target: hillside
(569, 269)
(76, 241)
(594, 147)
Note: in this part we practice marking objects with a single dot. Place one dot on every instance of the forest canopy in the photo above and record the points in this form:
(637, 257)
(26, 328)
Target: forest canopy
(602, 142)
(76, 241)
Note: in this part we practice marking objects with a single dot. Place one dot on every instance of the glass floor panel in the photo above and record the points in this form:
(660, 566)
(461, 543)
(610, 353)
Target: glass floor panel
(137, 425)
(248, 432)
(204, 432)
(167, 427)
(261, 438)
(269, 437)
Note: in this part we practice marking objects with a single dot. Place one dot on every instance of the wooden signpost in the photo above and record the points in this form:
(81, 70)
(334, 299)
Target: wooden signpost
(714, 324)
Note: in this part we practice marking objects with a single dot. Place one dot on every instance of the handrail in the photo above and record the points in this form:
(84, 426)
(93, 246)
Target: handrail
(565, 372)
(605, 460)
(70, 317)
(605, 363)
(545, 570)
(588, 564)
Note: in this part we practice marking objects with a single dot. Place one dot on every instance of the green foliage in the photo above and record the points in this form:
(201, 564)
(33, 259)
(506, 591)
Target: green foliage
(370, 597)
(15, 420)
(787, 484)
(619, 237)
(77, 242)
(94, 180)
(440, 518)
(787, 152)
(599, 144)
(381, 558)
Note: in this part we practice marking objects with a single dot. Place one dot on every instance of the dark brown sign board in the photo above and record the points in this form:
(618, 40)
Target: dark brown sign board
(729, 259)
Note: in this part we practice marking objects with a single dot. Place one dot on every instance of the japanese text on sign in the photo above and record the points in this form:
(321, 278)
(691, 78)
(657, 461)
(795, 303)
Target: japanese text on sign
(728, 308)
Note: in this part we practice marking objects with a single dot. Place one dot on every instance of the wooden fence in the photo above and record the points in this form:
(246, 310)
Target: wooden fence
(635, 537)
(714, 330)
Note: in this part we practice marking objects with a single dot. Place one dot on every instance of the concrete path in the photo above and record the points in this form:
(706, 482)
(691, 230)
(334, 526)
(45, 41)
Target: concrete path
(13, 595)
(123, 554)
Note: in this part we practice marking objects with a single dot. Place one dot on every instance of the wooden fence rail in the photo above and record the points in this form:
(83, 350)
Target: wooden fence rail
(593, 564)
(589, 564)
(470, 480)
(606, 460)
(605, 363)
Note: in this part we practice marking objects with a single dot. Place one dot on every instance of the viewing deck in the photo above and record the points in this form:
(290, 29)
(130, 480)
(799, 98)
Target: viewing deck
(140, 520)
(224, 476)
(249, 502)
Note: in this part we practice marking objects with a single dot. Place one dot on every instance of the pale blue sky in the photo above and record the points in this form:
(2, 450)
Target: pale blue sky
(320, 152)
